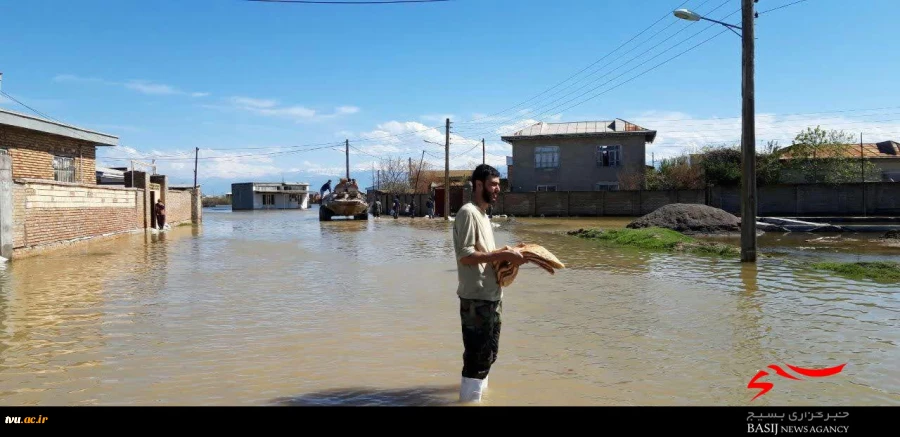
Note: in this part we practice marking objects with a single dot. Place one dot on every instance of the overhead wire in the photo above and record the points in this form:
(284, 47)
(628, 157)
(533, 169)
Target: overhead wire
(543, 108)
(667, 14)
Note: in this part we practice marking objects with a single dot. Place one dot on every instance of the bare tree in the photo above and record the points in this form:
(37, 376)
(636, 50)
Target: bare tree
(393, 175)
(631, 179)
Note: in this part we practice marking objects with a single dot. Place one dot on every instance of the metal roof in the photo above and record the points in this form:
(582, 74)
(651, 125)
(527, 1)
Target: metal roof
(11, 118)
(882, 150)
(581, 128)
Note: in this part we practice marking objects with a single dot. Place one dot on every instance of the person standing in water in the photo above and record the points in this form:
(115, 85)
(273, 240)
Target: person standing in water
(480, 296)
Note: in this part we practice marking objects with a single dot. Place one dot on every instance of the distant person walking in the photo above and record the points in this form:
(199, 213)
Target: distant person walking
(429, 204)
(376, 209)
(395, 210)
(160, 210)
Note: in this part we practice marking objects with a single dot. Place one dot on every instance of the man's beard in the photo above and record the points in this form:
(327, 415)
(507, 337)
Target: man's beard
(486, 197)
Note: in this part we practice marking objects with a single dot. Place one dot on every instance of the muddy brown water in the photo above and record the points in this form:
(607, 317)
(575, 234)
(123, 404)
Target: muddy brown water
(276, 308)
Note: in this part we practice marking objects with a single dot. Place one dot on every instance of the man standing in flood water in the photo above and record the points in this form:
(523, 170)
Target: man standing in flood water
(480, 296)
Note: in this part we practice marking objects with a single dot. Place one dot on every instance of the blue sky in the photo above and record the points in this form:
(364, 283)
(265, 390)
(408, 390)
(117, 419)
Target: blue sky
(238, 78)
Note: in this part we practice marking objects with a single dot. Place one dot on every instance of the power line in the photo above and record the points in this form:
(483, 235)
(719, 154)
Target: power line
(782, 6)
(582, 70)
(545, 112)
(548, 111)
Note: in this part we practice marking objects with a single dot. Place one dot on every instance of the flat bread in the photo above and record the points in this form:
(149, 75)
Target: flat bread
(533, 253)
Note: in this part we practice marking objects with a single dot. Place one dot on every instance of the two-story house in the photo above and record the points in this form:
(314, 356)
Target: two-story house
(577, 156)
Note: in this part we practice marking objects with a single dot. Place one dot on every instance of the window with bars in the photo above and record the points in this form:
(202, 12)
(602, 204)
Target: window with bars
(63, 169)
(546, 157)
(268, 199)
(546, 187)
(609, 156)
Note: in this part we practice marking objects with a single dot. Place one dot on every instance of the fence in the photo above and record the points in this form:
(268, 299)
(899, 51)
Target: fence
(874, 198)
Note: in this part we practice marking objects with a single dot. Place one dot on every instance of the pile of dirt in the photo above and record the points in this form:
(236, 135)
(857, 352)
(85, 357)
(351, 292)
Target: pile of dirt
(689, 219)
(892, 235)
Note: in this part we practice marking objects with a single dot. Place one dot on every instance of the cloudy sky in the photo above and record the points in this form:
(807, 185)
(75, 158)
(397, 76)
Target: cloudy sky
(271, 91)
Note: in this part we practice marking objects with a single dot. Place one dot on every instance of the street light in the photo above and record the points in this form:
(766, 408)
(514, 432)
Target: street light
(748, 134)
(686, 14)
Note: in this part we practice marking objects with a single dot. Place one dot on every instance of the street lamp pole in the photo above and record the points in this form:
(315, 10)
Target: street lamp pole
(748, 123)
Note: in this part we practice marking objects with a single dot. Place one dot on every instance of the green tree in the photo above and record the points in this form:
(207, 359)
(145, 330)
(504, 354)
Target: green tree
(675, 174)
(820, 156)
(722, 165)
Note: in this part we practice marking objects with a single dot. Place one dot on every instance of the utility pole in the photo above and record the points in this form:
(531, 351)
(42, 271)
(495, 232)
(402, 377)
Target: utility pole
(482, 150)
(347, 152)
(418, 172)
(196, 156)
(748, 137)
(447, 173)
(862, 171)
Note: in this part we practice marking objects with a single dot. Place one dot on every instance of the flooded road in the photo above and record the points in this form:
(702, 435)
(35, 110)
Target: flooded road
(275, 308)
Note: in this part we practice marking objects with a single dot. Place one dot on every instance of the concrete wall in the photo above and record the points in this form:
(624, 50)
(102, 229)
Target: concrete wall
(32, 154)
(874, 198)
(800, 200)
(578, 169)
(592, 203)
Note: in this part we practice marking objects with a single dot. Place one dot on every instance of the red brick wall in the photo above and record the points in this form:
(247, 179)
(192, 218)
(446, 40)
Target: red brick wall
(47, 213)
(178, 206)
(32, 154)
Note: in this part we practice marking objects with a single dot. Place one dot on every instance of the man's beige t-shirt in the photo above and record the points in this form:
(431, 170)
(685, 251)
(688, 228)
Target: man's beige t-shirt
(472, 232)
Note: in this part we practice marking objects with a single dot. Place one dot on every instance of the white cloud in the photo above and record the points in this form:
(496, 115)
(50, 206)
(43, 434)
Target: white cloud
(346, 110)
(679, 133)
(141, 86)
(434, 118)
(272, 108)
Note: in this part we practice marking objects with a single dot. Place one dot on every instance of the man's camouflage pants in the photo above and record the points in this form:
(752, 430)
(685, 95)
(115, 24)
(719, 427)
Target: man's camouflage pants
(481, 335)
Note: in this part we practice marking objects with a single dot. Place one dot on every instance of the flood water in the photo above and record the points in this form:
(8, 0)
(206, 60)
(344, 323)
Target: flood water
(276, 308)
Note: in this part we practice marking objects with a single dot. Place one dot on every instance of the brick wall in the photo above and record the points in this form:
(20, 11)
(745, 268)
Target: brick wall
(47, 212)
(178, 206)
(32, 154)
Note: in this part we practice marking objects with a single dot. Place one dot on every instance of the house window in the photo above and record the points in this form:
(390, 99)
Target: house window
(607, 186)
(63, 169)
(609, 156)
(268, 199)
(546, 157)
(546, 187)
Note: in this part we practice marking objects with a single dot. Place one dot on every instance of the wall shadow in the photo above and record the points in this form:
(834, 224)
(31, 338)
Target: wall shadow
(374, 397)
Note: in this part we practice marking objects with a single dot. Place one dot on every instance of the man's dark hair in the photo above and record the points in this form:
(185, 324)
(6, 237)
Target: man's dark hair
(482, 173)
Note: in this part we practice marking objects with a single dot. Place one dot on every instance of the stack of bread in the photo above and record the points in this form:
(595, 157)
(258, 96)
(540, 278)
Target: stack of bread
(533, 253)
